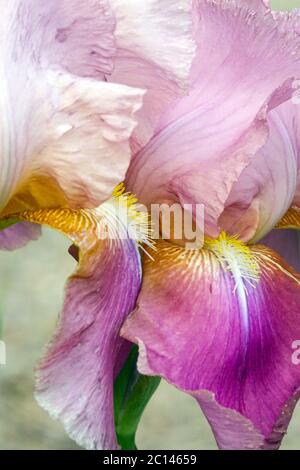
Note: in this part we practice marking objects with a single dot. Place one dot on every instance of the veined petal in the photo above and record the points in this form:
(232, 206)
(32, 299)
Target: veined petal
(290, 21)
(225, 337)
(64, 135)
(71, 35)
(76, 376)
(155, 49)
(290, 220)
(244, 67)
(162, 34)
(66, 142)
(18, 235)
(271, 182)
(267, 186)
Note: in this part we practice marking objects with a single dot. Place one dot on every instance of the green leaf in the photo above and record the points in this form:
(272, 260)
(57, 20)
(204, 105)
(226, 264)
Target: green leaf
(132, 392)
(5, 223)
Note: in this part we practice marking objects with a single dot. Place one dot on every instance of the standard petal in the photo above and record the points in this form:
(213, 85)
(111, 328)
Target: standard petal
(65, 141)
(225, 341)
(266, 188)
(155, 49)
(18, 235)
(70, 35)
(64, 135)
(205, 140)
(76, 376)
(271, 183)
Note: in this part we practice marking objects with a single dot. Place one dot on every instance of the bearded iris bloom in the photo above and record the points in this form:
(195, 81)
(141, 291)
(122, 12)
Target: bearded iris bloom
(219, 322)
(231, 144)
(81, 84)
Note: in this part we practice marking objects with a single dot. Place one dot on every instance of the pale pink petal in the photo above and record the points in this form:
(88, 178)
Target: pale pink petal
(241, 221)
(67, 142)
(155, 49)
(271, 182)
(244, 67)
(267, 186)
(64, 138)
(257, 5)
(72, 35)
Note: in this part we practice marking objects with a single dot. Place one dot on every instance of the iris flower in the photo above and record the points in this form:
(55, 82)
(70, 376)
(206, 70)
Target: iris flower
(218, 322)
(83, 83)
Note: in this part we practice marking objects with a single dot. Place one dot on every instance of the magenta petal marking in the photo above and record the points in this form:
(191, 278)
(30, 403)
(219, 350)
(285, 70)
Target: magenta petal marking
(191, 331)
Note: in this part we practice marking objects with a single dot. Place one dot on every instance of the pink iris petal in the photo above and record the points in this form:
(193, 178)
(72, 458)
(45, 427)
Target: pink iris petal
(69, 135)
(18, 235)
(259, 5)
(157, 25)
(69, 35)
(228, 347)
(43, 35)
(267, 186)
(65, 133)
(155, 49)
(75, 378)
(244, 67)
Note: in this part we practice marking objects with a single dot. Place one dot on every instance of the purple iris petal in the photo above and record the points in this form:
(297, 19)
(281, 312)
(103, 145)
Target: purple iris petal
(75, 378)
(287, 244)
(18, 235)
(228, 345)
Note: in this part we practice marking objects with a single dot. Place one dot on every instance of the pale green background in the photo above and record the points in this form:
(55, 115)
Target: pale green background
(31, 291)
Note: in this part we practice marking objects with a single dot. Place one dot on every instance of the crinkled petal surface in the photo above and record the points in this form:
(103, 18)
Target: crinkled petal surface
(64, 135)
(18, 235)
(244, 67)
(155, 49)
(72, 142)
(76, 375)
(228, 347)
(75, 37)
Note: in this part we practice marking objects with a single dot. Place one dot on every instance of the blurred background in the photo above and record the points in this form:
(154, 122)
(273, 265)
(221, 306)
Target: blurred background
(31, 292)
